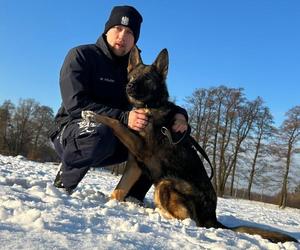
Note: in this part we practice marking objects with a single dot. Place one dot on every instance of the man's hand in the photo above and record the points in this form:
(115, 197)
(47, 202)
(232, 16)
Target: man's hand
(180, 123)
(138, 119)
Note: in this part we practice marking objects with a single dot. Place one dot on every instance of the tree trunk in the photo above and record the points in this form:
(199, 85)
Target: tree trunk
(283, 197)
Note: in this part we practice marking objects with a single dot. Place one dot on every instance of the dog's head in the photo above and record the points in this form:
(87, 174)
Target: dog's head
(147, 83)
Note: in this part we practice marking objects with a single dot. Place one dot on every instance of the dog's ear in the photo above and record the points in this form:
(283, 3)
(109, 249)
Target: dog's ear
(134, 59)
(162, 63)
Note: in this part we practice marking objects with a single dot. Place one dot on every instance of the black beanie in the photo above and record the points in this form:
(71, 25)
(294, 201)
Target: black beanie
(126, 16)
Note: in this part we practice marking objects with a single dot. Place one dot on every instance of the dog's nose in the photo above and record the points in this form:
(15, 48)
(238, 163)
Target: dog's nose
(131, 86)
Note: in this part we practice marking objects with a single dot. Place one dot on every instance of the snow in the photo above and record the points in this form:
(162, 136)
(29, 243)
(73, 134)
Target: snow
(36, 215)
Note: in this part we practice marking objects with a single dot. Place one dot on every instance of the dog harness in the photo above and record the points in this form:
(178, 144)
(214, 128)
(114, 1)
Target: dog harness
(166, 132)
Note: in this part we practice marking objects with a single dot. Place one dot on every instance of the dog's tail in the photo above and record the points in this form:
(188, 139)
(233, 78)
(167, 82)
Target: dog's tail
(173, 197)
(264, 233)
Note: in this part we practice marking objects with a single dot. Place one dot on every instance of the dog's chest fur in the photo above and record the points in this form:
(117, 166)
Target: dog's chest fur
(158, 118)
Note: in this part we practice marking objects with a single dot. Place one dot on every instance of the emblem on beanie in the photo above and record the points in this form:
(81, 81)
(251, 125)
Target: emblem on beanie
(124, 20)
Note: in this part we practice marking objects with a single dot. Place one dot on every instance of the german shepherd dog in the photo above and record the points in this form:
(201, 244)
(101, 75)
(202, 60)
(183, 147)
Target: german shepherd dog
(182, 186)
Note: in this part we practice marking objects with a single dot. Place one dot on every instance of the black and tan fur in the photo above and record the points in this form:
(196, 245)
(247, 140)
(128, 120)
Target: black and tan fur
(182, 186)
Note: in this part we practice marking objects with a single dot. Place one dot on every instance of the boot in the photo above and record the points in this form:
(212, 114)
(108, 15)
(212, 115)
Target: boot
(58, 181)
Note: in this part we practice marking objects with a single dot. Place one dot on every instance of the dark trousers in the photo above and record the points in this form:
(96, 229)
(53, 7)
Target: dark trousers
(81, 145)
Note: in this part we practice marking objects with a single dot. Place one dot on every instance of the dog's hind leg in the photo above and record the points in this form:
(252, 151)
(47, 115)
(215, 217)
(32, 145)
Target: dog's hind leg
(172, 201)
(133, 142)
(130, 176)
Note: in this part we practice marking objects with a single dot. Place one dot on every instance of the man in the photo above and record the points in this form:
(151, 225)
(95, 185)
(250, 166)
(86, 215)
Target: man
(93, 77)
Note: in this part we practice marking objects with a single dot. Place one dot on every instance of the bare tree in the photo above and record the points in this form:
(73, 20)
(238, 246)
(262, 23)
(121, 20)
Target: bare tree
(262, 131)
(233, 100)
(24, 130)
(297, 189)
(247, 114)
(290, 136)
(201, 111)
(219, 95)
(23, 125)
(42, 120)
(213, 115)
(235, 131)
(6, 113)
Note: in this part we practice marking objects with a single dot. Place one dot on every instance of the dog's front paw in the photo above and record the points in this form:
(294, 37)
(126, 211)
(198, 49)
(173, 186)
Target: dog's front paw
(118, 194)
(88, 115)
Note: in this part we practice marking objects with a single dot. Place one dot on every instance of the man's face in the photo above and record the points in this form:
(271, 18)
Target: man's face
(120, 39)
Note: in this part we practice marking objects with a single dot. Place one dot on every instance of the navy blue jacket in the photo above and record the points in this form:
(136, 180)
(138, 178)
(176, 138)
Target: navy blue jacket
(92, 78)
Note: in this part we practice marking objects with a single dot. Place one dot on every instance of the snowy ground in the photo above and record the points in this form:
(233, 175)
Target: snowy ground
(35, 215)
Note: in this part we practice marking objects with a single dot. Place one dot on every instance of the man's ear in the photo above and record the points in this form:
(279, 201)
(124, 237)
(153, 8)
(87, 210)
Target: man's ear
(162, 63)
(134, 59)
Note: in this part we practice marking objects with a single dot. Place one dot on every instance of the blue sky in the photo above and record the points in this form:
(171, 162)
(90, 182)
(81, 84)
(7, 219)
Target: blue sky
(250, 44)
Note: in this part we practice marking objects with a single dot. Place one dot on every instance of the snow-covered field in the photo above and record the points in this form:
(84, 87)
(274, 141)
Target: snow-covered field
(35, 215)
